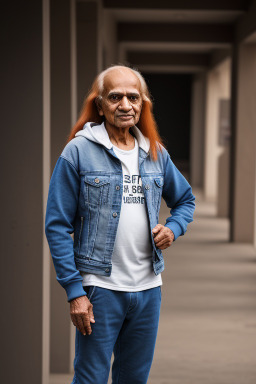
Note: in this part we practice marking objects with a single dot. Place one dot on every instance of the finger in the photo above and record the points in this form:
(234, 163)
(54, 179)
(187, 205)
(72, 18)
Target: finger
(73, 318)
(166, 243)
(86, 323)
(91, 315)
(162, 239)
(80, 323)
(160, 236)
(77, 324)
(156, 229)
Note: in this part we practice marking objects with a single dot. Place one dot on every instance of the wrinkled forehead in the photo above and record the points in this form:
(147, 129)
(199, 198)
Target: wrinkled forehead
(121, 81)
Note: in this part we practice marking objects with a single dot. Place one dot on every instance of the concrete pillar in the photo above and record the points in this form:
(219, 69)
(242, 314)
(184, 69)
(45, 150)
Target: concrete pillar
(197, 131)
(109, 39)
(223, 183)
(218, 86)
(89, 47)
(22, 231)
(223, 161)
(211, 151)
(86, 63)
(60, 128)
(76, 52)
(244, 208)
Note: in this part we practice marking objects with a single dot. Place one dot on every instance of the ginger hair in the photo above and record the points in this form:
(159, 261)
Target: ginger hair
(146, 123)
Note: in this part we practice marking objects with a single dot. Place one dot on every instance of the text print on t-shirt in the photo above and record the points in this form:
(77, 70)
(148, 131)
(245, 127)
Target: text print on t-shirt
(133, 193)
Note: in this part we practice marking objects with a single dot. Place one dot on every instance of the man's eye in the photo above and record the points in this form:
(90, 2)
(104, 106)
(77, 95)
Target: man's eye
(134, 98)
(114, 97)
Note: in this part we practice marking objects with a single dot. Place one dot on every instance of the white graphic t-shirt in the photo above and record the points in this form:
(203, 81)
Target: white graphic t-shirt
(132, 268)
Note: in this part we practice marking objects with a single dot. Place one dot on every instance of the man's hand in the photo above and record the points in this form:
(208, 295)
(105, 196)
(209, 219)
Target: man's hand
(163, 236)
(81, 314)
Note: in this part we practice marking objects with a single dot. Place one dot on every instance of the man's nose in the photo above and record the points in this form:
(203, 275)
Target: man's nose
(125, 104)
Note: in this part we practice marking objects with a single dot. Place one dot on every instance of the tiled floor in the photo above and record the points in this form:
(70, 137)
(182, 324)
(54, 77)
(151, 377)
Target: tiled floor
(207, 331)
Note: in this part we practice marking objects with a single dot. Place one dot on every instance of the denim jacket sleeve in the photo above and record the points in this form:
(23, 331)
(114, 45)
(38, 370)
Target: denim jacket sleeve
(178, 196)
(59, 225)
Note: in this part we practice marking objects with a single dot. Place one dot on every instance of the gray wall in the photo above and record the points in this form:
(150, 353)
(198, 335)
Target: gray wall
(87, 52)
(197, 130)
(60, 128)
(21, 192)
(245, 159)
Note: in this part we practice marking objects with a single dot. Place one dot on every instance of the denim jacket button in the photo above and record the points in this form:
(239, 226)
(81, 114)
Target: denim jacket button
(146, 186)
(97, 180)
(114, 214)
(117, 187)
(107, 270)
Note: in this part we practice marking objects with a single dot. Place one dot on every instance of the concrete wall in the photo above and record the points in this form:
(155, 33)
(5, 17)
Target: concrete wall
(218, 86)
(60, 127)
(245, 159)
(21, 192)
(197, 131)
(89, 47)
(223, 207)
(75, 60)
(109, 40)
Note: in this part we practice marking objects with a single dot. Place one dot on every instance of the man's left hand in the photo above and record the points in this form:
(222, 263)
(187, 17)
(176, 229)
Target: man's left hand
(163, 236)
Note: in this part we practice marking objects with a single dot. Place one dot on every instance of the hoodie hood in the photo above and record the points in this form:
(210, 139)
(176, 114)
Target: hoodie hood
(98, 133)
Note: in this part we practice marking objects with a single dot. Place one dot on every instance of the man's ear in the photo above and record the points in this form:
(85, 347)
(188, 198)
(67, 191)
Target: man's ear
(98, 105)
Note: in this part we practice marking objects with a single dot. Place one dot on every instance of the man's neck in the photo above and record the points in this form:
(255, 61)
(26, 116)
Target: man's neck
(121, 137)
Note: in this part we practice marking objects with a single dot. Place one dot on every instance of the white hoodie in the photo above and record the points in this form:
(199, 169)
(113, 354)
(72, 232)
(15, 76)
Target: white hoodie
(98, 133)
(132, 254)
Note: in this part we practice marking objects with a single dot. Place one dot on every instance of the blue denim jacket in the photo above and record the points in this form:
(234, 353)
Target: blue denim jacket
(85, 198)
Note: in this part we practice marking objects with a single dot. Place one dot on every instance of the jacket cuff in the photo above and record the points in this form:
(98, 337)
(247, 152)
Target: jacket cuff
(74, 290)
(175, 227)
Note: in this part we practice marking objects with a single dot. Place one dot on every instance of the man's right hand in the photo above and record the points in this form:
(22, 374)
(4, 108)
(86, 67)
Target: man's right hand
(81, 314)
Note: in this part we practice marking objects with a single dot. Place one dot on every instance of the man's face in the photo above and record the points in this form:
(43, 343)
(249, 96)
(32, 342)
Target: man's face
(122, 102)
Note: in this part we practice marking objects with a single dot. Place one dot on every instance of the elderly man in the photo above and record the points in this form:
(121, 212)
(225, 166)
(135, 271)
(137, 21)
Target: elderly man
(106, 188)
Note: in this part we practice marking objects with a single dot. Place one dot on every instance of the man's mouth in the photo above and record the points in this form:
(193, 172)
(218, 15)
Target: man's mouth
(125, 117)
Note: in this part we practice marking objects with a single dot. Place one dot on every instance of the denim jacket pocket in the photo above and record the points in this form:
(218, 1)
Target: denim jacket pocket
(96, 189)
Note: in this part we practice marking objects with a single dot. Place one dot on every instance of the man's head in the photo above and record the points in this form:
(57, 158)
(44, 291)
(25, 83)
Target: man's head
(113, 97)
(121, 97)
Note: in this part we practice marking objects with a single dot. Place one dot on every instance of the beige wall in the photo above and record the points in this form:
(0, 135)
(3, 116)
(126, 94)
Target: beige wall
(197, 131)
(22, 198)
(109, 40)
(245, 159)
(217, 86)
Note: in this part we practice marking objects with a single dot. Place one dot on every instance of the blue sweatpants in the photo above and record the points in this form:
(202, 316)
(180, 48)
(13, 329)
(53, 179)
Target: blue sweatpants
(126, 323)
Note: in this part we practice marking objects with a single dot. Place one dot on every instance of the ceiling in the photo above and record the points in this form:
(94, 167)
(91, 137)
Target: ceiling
(157, 30)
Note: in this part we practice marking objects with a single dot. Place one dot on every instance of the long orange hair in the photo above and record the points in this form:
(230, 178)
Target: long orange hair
(146, 123)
